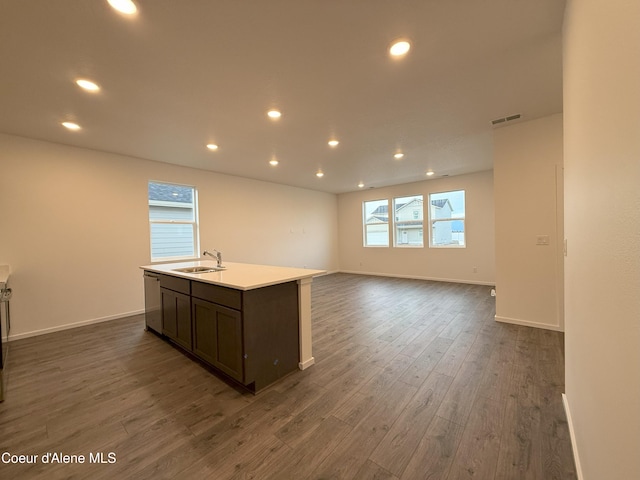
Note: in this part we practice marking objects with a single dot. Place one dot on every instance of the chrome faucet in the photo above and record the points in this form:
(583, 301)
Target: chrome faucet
(217, 256)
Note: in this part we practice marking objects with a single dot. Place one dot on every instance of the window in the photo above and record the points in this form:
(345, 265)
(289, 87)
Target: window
(408, 215)
(173, 221)
(446, 216)
(376, 223)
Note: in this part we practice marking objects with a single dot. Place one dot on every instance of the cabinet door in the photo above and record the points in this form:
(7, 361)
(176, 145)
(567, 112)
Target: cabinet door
(217, 333)
(176, 317)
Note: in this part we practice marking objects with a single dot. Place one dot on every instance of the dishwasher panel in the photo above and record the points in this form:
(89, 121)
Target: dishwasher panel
(152, 312)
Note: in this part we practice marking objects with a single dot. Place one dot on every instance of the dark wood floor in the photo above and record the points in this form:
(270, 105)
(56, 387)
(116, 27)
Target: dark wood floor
(413, 380)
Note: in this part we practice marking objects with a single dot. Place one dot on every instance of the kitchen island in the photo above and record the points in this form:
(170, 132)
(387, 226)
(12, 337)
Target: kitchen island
(251, 323)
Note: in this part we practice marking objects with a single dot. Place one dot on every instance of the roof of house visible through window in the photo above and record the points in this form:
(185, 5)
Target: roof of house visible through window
(440, 202)
(165, 192)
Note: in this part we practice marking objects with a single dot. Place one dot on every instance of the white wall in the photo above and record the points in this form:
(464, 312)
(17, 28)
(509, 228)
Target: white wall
(602, 212)
(75, 228)
(447, 264)
(527, 171)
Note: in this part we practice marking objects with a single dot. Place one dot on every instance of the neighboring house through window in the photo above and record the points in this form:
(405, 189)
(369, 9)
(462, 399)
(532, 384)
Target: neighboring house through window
(173, 221)
(407, 220)
(376, 223)
(447, 219)
(408, 215)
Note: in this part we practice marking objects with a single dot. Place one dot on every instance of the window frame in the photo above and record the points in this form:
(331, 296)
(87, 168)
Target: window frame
(194, 222)
(433, 221)
(396, 243)
(364, 223)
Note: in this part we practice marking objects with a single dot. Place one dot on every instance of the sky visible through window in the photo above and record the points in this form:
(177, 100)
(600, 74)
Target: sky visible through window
(456, 198)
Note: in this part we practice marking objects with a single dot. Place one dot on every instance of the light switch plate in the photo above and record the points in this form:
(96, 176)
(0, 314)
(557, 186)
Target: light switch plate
(542, 240)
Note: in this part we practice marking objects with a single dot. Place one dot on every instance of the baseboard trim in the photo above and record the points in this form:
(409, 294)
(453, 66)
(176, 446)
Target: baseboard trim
(328, 272)
(418, 277)
(527, 323)
(69, 326)
(572, 435)
(307, 363)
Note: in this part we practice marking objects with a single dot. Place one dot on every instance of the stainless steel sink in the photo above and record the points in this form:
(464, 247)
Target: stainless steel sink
(197, 269)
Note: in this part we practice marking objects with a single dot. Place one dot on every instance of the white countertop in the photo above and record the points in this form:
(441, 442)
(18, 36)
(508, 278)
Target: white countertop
(5, 271)
(241, 276)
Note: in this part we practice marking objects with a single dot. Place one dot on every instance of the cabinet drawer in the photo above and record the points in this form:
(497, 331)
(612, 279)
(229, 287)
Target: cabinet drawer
(221, 295)
(176, 284)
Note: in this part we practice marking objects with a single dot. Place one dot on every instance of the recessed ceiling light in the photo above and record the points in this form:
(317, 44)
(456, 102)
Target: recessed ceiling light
(273, 162)
(333, 143)
(319, 174)
(399, 48)
(124, 6)
(71, 125)
(360, 185)
(274, 114)
(398, 155)
(87, 85)
(212, 146)
(430, 173)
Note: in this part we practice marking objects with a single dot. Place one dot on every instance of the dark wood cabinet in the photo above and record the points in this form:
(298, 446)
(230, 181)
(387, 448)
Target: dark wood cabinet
(176, 317)
(217, 337)
(271, 333)
(175, 306)
(250, 336)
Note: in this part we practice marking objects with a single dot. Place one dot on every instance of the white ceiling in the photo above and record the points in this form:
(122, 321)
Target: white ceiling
(184, 73)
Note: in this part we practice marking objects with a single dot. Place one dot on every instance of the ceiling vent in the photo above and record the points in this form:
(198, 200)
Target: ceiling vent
(500, 121)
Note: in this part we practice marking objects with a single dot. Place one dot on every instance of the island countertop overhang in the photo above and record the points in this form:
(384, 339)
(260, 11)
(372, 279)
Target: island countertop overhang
(239, 276)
